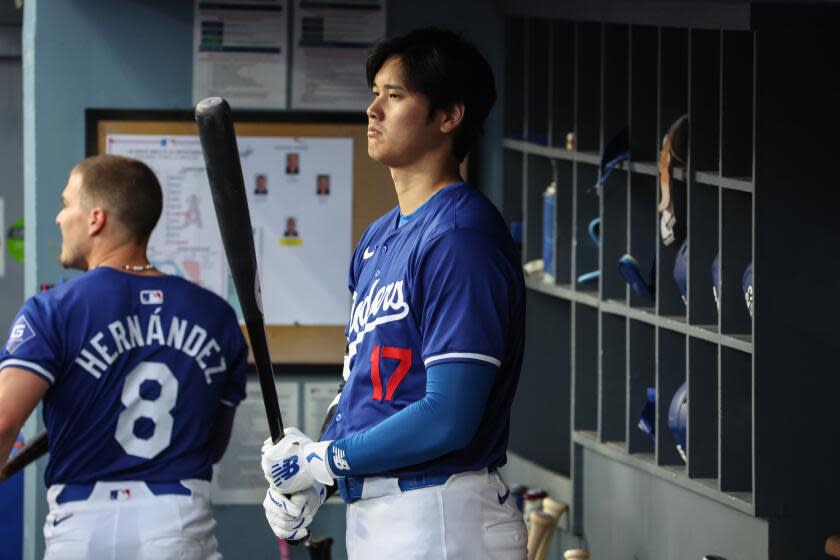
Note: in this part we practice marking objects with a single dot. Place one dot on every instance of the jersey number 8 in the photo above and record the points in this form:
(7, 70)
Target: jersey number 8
(157, 410)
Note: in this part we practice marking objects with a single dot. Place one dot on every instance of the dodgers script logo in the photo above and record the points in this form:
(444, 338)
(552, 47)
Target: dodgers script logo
(380, 306)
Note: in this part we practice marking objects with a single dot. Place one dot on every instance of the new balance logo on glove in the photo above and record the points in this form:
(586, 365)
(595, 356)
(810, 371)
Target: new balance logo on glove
(285, 470)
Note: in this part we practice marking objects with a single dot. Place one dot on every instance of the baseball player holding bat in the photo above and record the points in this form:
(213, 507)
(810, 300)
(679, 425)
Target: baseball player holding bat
(435, 335)
(139, 373)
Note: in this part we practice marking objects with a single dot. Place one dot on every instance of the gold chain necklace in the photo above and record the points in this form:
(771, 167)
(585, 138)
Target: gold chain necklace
(139, 267)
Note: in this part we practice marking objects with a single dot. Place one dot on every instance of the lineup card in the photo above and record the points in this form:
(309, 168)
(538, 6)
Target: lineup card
(300, 194)
(239, 52)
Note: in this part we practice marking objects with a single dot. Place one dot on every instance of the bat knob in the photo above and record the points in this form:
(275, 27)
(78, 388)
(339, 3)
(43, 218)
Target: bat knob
(210, 106)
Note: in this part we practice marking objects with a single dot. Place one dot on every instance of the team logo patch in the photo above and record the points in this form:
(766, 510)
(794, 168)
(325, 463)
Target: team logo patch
(21, 332)
(121, 494)
(151, 297)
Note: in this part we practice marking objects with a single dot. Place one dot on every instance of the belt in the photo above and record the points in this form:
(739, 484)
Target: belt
(351, 487)
(79, 492)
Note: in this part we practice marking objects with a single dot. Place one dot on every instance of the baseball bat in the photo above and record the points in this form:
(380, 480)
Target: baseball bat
(576, 554)
(319, 549)
(541, 524)
(554, 510)
(832, 546)
(224, 171)
(33, 450)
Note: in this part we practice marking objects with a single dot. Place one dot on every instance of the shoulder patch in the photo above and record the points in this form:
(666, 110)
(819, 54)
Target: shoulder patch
(22, 332)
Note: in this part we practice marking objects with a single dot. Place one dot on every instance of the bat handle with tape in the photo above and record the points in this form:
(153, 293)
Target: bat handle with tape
(227, 186)
(320, 548)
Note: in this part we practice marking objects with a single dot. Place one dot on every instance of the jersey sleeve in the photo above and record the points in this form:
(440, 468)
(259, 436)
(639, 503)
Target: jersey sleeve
(462, 290)
(234, 389)
(33, 343)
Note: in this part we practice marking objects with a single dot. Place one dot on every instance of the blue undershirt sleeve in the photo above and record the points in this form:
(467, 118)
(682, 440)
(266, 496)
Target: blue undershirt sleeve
(444, 420)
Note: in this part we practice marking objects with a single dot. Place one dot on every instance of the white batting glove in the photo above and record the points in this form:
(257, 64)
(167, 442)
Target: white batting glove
(289, 516)
(295, 462)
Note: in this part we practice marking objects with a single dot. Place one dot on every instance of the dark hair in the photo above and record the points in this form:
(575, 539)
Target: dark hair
(447, 69)
(125, 187)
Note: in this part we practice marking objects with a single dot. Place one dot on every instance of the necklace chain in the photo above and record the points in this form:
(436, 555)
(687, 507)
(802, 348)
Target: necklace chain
(138, 267)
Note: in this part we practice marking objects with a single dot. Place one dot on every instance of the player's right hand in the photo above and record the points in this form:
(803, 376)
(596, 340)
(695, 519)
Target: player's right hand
(289, 516)
(295, 462)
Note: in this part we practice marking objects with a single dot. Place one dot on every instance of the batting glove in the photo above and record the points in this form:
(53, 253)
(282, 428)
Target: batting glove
(289, 516)
(295, 462)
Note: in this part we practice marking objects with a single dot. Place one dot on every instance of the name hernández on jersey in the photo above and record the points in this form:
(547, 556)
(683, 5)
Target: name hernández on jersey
(126, 334)
(365, 316)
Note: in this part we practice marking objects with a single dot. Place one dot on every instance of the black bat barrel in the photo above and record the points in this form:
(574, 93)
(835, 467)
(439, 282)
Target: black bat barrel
(224, 171)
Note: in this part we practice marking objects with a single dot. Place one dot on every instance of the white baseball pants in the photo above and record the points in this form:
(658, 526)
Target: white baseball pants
(125, 521)
(471, 516)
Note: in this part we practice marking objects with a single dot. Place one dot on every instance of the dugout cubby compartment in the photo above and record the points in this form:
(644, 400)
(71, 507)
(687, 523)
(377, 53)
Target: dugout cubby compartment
(702, 431)
(516, 61)
(563, 220)
(670, 376)
(538, 175)
(643, 94)
(613, 232)
(736, 437)
(643, 234)
(588, 88)
(733, 80)
(736, 149)
(587, 207)
(562, 93)
(669, 300)
(614, 116)
(673, 78)
(703, 235)
(545, 383)
(735, 255)
(641, 374)
(585, 368)
(616, 80)
(673, 103)
(538, 72)
(704, 102)
(612, 379)
(512, 201)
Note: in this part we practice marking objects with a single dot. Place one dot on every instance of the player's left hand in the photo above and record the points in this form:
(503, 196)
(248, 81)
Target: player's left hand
(295, 462)
(289, 516)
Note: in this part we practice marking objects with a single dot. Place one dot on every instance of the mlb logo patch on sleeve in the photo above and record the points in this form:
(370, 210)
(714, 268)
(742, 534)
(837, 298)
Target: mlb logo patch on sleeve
(151, 297)
(21, 332)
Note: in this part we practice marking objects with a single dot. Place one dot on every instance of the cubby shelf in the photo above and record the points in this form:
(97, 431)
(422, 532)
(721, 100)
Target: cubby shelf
(641, 167)
(707, 487)
(708, 333)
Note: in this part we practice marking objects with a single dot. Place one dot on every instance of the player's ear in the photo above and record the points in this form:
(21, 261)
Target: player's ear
(97, 218)
(452, 118)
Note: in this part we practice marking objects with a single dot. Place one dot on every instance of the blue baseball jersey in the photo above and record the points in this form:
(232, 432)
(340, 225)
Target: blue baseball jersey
(138, 367)
(447, 286)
